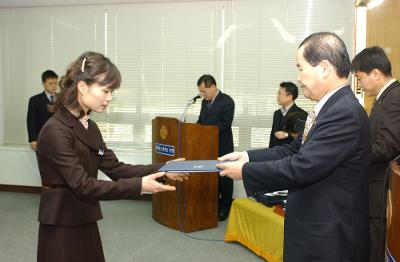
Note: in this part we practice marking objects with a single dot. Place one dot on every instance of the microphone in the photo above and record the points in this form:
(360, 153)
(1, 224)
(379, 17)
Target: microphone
(189, 103)
(196, 97)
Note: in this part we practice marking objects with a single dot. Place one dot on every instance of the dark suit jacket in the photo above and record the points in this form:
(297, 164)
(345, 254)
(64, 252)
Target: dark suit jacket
(221, 114)
(38, 114)
(69, 157)
(327, 205)
(385, 134)
(278, 124)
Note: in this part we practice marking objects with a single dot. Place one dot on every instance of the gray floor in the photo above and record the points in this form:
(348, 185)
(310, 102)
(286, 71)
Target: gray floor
(128, 232)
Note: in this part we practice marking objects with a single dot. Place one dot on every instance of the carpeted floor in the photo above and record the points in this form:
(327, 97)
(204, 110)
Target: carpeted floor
(128, 232)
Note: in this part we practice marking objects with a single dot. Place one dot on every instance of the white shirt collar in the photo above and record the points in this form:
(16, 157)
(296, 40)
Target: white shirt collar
(324, 99)
(212, 101)
(384, 88)
(284, 110)
(49, 95)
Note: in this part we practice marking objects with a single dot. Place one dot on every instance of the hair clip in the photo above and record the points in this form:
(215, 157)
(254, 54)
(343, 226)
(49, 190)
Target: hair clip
(83, 65)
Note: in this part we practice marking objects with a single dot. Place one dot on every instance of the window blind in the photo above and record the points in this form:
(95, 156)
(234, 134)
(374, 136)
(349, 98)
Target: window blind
(161, 49)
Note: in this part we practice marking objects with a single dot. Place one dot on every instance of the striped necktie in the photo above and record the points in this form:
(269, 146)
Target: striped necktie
(373, 104)
(309, 123)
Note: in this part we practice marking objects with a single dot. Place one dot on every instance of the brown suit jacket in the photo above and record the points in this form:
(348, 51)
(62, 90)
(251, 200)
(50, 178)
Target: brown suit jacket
(69, 157)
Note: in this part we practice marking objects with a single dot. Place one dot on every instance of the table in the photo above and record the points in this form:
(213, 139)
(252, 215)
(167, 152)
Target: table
(257, 227)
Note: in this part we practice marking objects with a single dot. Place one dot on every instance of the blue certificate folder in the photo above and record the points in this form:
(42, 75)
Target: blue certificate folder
(190, 166)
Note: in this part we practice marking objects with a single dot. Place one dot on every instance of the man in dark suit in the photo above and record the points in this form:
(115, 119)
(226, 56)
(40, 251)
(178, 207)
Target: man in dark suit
(325, 169)
(373, 68)
(38, 108)
(218, 109)
(287, 94)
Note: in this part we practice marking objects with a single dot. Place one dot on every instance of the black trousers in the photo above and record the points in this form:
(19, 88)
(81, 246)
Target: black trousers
(225, 192)
(377, 239)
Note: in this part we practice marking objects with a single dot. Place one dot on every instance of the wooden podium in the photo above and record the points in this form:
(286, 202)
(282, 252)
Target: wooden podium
(393, 220)
(195, 199)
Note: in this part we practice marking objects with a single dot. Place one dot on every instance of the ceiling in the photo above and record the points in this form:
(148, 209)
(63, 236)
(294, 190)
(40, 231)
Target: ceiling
(30, 3)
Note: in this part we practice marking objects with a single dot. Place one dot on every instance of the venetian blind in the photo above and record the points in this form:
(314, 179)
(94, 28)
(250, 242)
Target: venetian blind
(161, 49)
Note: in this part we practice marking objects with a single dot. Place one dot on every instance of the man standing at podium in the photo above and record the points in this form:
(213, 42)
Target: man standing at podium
(218, 109)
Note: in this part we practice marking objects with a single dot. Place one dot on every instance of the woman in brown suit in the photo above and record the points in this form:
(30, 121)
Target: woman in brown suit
(70, 151)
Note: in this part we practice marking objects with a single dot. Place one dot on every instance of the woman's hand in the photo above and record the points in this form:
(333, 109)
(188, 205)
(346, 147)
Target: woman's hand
(178, 159)
(151, 185)
(177, 176)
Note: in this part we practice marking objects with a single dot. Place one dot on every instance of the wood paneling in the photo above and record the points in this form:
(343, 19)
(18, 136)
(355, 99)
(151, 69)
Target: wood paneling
(393, 233)
(382, 30)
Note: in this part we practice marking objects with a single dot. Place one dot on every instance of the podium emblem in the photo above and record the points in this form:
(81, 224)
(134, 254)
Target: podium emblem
(163, 132)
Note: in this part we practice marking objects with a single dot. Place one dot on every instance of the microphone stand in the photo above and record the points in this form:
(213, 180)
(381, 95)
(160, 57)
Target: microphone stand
(189, 103)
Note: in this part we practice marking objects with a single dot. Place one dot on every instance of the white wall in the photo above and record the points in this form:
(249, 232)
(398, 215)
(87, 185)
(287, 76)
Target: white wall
(1, 85)
(19, 167)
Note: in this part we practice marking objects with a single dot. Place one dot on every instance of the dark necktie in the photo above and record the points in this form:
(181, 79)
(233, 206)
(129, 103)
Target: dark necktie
(52, 99)
(209, 106)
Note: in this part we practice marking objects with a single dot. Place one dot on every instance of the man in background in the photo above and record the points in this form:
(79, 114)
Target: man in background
(374, 70)
(287, 94)
(38, 108)
(294, 123)
(218, 109)
(325, 170)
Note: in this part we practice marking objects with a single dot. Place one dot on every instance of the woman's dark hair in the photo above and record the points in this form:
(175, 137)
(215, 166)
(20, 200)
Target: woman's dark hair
(91, 68)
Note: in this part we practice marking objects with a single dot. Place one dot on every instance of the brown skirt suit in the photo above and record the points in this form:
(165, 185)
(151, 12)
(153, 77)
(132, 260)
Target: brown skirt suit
(69, 157)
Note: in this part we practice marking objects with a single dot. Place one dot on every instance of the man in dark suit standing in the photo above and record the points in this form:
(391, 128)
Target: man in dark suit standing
(218, 109)
(373, 68)
(325, 169)
(38, 108)
(287, 94)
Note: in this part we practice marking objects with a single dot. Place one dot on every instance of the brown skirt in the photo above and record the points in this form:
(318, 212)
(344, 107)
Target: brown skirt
(70, 243)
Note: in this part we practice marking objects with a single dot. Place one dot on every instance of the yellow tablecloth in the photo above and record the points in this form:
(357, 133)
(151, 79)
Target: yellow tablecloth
(257, 227)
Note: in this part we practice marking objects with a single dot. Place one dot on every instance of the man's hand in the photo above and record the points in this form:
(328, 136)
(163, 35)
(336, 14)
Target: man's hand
(242, 156)
(232, 169)
(33, 145)
(281, 135)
